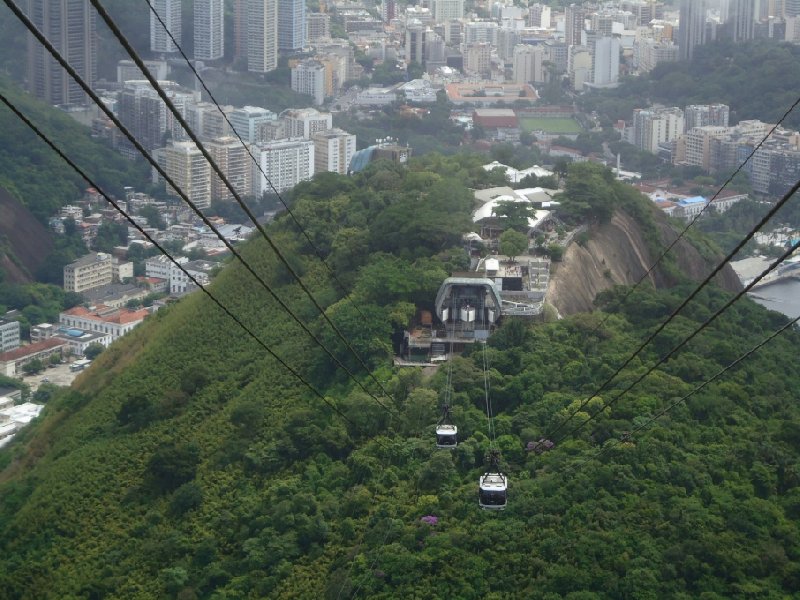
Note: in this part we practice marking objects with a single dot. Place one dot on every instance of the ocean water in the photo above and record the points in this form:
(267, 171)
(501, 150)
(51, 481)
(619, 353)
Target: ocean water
(783, 297)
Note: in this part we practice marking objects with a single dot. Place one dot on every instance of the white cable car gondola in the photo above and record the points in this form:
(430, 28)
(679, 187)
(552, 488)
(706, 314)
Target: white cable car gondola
(493, 486)
(446, 434)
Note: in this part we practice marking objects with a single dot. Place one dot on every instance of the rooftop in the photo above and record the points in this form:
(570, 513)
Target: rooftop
(24, 351)
(90, 259)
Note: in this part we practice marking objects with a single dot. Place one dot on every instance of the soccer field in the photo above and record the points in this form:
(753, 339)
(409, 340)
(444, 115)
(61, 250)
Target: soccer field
(550, 125)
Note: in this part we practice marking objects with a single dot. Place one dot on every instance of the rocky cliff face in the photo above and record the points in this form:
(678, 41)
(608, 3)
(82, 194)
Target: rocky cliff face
(22, 234)
(617, 254)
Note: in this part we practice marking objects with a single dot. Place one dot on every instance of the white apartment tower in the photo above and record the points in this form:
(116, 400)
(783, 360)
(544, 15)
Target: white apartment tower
(606, 61)
(528, 65)
(286, 163)
(262, 35)
(654, 127)
(247, 120)
(333, 150)
(209, 29)
(305, 122)
(308, 77)
(170, 13)
(447, 10)
(539, 16)
(190, 171)
(291, 25)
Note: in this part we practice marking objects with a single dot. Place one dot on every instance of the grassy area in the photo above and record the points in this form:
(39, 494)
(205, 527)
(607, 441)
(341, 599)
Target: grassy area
(567, 126)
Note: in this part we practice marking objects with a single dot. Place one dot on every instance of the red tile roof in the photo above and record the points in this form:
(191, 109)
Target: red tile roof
(24, 351)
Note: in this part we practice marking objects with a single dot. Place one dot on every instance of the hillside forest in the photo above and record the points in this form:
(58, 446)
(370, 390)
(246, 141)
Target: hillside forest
(186, 463)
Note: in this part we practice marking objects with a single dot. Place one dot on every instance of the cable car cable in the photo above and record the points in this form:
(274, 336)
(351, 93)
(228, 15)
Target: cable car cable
(176, 113)
(705, 324)
(256, 162)
(616, 442)
(752, 153)
(82, 83)
(675, 312)
(191, 277)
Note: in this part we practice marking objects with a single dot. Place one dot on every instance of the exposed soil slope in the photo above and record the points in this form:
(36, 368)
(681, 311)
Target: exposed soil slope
(617, 254)
(22, 234)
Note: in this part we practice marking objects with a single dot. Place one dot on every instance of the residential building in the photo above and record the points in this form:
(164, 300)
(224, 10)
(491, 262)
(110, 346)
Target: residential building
(741, 20)
(145, 114)
(190, 171)
(416, 34)
(580, 67)
(305, 122)
(704, 115)
(247, 120)
(308, 77)
(233, 159)
(539, 16)
(262, 35)
(478, 59)
(528, 65)
(606, 61)
(333, 150)
(318, 26)
(161, 267)
(170, 13)
(9, 334)
(209, 29)
(692, 28)
(90, 271)
(207, 121)
(115, 295)
(103, 319)
(70, 26)
(127, 70)
(574, 23)
(240, 29)
(481, 31)
(653, 127)
(291, 25)
(286, 163)
(388, 10)
(446, 10)
(648, 53)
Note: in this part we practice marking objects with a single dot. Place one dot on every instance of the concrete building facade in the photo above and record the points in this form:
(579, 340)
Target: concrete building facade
(170, 13)
(262, 35)
(190, 171)
(333, 150)
(209, 29)
(286, 163)
(90, 271)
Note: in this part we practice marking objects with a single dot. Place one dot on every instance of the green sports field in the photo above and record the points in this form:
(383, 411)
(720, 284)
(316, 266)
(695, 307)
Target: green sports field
(550, 125)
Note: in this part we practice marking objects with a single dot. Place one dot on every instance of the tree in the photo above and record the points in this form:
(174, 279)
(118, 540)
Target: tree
(513, 243)
(32, 367)
(515, 214)
(93, 350)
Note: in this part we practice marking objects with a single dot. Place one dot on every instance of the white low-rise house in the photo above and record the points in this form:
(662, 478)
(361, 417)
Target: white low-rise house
(14, 418)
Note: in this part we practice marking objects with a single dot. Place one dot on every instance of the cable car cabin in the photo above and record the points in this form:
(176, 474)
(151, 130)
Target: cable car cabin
(493, 491)
(446, 436)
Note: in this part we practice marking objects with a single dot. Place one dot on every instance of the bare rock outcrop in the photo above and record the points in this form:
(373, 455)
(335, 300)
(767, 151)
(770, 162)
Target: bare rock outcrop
(616, 254)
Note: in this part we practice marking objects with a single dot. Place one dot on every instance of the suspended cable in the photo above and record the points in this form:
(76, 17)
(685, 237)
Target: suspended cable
(666, 251)
(616, 442)
(124, 130)
(256, 162)
(191, 277)
(705, 324)
(691, 296)
(212, 163)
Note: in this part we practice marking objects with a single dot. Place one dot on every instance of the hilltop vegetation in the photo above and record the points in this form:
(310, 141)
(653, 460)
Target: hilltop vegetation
(720, 72)
(187, 464)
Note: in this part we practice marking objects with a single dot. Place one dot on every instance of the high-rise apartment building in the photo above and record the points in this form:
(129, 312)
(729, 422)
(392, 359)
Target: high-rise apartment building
(305, 122)
(170, 13)
(240, 29)
(286, 163)
(654, 127)
(190, 171)
(478, 59)
(262, 35)
(692, 27)
(388, 10)
(318, 26)
(308, 77)
(528, 65)
(247, 119)
(291, 25)
(606, 61)
(575, 17)
(704, 115)
(233, 159)
(333, 150)
(9, 334)
(740, 25)
(539, 16)
(791, 8)
(70, 26)
(209, 29)
(446, 10)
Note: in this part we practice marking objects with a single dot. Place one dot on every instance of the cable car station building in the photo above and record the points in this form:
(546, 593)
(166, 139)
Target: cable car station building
(469, 305)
